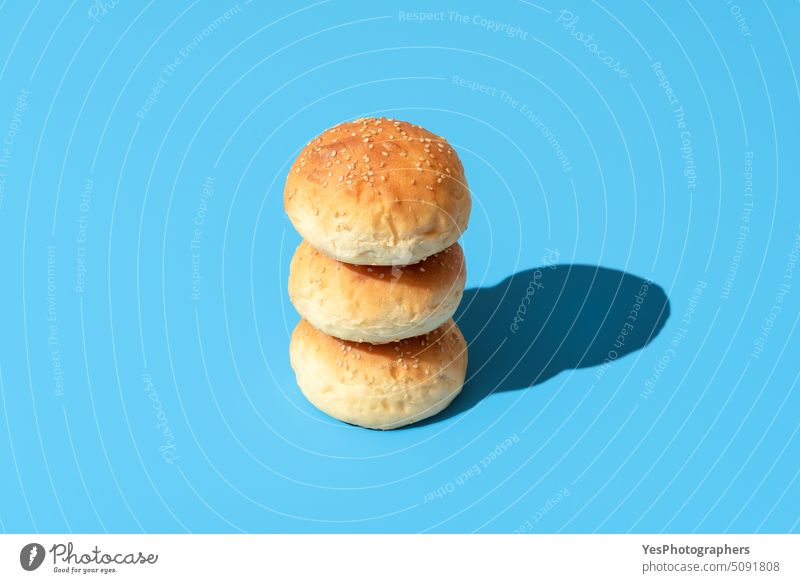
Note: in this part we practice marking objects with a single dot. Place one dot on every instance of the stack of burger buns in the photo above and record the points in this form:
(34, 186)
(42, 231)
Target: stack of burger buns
(380, 204)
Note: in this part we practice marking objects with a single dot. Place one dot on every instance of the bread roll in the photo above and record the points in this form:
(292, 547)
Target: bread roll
(376, 304)
(377, 191)
(384, 386)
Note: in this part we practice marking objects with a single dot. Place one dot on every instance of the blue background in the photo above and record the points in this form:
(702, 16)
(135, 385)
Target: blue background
(128, 405)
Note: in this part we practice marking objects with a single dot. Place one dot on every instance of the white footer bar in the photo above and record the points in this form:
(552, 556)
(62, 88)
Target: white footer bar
(389, 558)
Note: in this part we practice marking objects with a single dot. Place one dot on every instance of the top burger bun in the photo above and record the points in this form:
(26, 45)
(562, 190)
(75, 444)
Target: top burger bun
(376, 191)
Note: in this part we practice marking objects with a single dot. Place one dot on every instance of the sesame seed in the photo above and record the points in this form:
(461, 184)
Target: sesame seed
(333, 153)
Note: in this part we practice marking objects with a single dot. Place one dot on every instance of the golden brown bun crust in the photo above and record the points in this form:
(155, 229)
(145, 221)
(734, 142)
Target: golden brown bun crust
(376, 191)
(376, 304)
(380, 386)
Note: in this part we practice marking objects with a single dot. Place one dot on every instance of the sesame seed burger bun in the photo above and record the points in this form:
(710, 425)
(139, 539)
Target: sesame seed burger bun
(376, 191)
(384, 386)
(376, 304)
